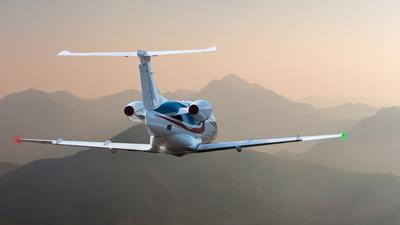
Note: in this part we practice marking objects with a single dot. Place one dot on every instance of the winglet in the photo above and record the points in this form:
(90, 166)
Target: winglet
(344, 136)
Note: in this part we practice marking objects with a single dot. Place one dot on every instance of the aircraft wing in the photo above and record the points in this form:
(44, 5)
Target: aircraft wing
(107, 144)
(238, 145)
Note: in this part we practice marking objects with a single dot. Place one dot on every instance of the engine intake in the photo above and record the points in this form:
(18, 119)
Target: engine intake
(129, 110)
(200, 110)
(135, 111)
(193, 109)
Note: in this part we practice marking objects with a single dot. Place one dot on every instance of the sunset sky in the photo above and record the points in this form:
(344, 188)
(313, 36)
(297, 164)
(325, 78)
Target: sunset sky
(338, 48)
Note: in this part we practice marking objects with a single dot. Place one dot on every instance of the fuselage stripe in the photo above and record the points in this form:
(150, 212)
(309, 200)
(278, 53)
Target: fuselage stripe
(197, 130)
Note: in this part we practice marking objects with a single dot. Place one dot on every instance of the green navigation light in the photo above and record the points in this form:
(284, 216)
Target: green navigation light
(344, 136)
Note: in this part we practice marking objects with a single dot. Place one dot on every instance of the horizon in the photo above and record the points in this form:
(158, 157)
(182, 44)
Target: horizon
(313, 100)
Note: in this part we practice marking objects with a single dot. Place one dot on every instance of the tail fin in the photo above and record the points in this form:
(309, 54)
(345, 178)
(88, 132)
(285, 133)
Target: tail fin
(151, 96)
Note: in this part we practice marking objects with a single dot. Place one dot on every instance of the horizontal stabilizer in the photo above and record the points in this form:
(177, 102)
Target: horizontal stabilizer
(120, 54)
(178, 52)
(137, 53)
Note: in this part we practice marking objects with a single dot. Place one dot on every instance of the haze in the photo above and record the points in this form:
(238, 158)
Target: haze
(297, 48)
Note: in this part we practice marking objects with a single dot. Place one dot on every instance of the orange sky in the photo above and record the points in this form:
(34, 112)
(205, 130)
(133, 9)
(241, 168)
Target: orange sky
(296, 48)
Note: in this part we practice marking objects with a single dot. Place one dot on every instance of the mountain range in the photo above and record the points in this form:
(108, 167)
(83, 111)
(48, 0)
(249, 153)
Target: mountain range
(243, 111)
(96, 187)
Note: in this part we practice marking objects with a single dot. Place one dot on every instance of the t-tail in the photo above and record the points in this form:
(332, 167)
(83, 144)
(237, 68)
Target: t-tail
(151, 95)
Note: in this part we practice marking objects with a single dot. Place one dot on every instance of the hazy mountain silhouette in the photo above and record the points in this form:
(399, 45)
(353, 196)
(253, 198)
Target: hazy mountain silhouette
(246, 110)
(348, 111)
(97, 187)
(7, 167)
(373, 146)
(34, 113)
(320, 101)
(243, 110)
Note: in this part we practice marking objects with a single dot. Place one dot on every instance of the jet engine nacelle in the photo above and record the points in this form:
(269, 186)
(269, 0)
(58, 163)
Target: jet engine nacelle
(135, 111)
(200, 110)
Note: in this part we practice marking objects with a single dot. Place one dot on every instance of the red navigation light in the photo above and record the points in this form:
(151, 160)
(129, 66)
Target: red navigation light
(17, 140)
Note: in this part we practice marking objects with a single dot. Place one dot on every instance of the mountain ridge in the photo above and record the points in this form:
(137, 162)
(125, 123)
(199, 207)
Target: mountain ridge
(60, 114)
(6, 167)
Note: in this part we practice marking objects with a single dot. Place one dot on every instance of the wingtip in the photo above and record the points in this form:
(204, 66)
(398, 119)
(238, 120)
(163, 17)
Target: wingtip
(17, 140)
(64, 53)
(212, 49)
(344, 136)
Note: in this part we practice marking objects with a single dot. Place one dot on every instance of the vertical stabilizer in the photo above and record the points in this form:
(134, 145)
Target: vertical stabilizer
(151, 95)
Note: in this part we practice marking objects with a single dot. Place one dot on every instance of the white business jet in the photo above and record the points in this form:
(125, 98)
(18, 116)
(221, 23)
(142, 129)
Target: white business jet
(175, 127)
